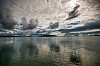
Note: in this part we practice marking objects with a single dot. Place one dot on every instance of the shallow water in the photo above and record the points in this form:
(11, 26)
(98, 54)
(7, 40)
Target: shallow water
(50, 51)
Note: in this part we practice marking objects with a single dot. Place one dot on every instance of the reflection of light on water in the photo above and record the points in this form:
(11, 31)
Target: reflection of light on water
(43, 50)
(10, 41)
(57, 50)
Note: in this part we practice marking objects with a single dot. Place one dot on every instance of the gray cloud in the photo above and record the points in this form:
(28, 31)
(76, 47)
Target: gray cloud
(74, 13)
(89, 25)
(54, 25)
(8, 22)
(6, 18)
(33, 23)
(18, 8)
(95, 2)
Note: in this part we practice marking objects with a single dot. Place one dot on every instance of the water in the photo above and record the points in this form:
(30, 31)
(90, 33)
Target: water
(49, 51)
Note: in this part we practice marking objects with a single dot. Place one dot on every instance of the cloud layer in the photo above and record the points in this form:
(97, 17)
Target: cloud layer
(46, 11)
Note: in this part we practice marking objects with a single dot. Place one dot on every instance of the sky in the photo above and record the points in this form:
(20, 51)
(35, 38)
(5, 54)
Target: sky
(66, 12)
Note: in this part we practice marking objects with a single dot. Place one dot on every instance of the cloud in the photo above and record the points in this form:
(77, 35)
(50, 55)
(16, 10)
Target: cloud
(54, 25)
(33, 23)
(8, 23)
(89, 25)
(74, 13)
(6, 17)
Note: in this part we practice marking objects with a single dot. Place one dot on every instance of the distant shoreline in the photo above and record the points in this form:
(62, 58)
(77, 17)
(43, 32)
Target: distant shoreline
(49, 36)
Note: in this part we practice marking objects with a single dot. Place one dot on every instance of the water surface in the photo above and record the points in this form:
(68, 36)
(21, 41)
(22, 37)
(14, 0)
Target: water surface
(50, 51)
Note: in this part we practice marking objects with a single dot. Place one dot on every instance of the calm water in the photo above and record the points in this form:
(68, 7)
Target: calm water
(50, 51)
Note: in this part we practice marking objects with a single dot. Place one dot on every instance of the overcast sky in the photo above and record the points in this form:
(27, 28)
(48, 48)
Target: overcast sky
(46, 11)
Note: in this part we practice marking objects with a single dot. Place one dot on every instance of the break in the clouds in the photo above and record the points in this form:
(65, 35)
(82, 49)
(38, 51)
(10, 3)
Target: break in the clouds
(47, 11)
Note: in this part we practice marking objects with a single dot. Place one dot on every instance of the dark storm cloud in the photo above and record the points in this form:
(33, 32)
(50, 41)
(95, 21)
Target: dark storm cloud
(74, 13)
(29, 25)
(54, 25)
(89, 25)
(33, 23)
(6, 19)
(8, 22)
(94, 32)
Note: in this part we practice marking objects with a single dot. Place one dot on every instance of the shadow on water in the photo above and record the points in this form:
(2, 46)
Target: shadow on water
(6, 52)
(33, 50)
(54, 48)
(75, 59)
